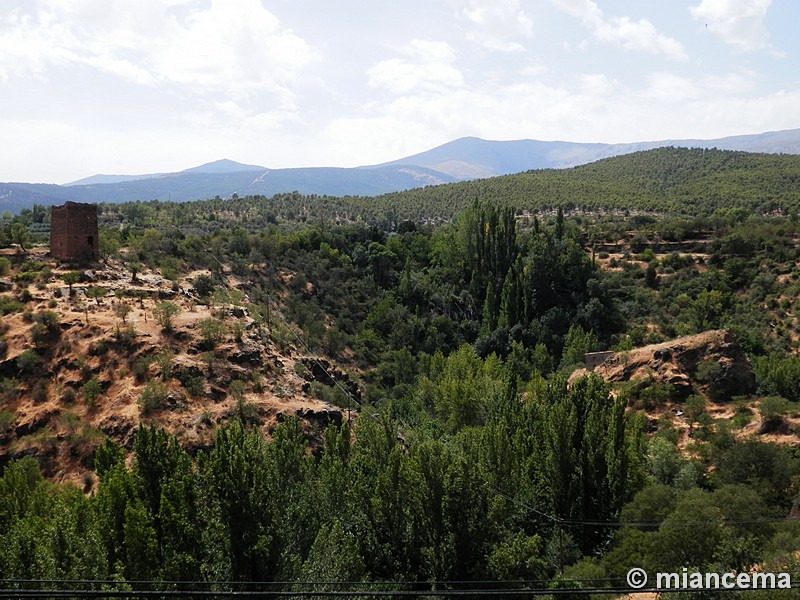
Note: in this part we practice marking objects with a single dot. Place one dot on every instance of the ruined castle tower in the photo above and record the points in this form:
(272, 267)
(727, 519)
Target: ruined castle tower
(73, 232)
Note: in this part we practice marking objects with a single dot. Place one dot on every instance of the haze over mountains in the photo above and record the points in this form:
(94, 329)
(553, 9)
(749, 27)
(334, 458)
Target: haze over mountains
(465, 158)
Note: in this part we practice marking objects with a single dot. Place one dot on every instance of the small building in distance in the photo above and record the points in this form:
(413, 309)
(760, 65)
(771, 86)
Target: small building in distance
(73, 232)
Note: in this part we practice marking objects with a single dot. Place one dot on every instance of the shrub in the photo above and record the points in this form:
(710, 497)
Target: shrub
(7, 418)
(40, 391)
(164, 362)
(99, 348)
(711, 373)
(125, 335)
(122, 310)
(28, 362)
(9, 389)
(258, 383)
(655, 395)
(49, 319)
(203, 285)
(194, 385)
(69, 396)
(212, 330)
(92, 390)
(779, 375)
(170, 273)
(164, 313)
(246, 411)
(237, 329)
(141, 367)
(39, 335)
(773, 406)
(152, 397)
(693, 408)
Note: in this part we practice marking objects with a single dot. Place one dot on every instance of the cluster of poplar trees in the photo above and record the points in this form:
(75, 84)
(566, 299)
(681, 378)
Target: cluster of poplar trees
(372, 503)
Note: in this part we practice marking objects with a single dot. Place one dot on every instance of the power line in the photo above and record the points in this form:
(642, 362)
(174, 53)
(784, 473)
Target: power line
(428, 592)
(599, 523)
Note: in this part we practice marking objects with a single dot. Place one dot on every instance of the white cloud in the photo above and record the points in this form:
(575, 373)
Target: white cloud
(426, 65)
(639, 35)
(27, 49)
(588, 107)
(215, 63)
(623, 31)
(597, 84)
(231, 44)
(157, 85)
(496, 25)
(221, 46)
(670, 88)
(739, 23)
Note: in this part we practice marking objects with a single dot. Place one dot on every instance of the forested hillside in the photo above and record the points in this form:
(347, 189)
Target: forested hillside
(471, 451)
(665, 181)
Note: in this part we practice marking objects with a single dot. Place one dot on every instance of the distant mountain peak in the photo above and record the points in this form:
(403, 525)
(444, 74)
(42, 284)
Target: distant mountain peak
(224, 165)
(461, 159)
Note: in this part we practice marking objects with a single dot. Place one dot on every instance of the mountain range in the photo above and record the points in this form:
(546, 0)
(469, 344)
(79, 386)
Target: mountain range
(462, 159)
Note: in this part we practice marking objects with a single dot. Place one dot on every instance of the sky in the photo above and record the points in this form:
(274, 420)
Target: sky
(144, 86)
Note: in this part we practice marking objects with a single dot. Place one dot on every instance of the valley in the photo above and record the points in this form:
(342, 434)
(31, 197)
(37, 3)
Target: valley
(401, 388)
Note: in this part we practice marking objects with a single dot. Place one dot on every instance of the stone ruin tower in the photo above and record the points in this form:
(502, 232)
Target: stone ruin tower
(73, 232)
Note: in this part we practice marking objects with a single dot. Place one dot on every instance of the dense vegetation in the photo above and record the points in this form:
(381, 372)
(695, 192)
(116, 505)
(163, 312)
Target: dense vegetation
(675, 181)
(472, 459)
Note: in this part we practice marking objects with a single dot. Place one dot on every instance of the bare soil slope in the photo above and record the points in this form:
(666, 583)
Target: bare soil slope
(86, 374)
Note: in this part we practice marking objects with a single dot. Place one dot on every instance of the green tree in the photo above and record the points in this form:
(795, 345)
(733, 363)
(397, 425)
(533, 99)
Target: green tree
(585, 455)
(108, 455)
(28, 362)
(576, 345)
(122, 310)
(204, 285)
(164, 313)
(92, 390)
(693, 408)
(96, 292)
(152, 397)
(690, 534)
(234, 478)
(212, 331)
(71, 278)
(20, 235)
(466, 390)
(135, 268)
(141, 544)
(334, 556)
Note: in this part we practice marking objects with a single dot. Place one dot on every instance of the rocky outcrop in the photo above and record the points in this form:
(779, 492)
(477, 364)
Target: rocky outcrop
(322, 417)
(710, 363)
(119, 428)
(323, 371)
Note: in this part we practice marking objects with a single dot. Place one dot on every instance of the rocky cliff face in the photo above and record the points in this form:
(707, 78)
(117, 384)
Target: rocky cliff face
(710, 363)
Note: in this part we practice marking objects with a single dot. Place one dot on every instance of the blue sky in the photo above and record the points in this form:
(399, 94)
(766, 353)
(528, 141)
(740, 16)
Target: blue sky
(140, 86)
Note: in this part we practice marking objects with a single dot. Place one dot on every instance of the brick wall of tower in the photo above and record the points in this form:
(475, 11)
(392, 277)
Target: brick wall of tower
(73, 232)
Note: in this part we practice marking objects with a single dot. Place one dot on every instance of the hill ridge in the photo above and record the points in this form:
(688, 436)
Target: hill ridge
(467, 158)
